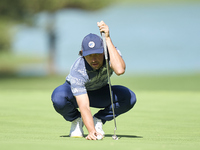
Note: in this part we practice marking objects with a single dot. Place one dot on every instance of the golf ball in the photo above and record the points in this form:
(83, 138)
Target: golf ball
(99, 137)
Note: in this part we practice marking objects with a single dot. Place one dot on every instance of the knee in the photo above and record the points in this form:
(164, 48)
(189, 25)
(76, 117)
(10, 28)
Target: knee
(58, 99)
(129, 100)
(132, 99)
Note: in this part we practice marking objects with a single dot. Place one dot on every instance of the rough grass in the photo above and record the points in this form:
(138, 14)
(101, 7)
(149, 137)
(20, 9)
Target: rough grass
(166, 115)
(9, 62)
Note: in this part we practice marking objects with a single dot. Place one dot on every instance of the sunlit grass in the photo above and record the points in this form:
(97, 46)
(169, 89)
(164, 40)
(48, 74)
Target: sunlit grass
(166, 115)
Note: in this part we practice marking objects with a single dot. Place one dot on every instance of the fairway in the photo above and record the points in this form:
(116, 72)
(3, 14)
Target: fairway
(165, 117)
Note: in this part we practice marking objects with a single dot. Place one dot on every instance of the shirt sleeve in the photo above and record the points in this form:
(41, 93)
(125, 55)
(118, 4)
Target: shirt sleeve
(77, 85)
(78, 77)
(119, 52)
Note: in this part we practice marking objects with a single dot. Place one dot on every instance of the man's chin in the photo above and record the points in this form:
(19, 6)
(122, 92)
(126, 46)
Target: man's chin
(95, 68)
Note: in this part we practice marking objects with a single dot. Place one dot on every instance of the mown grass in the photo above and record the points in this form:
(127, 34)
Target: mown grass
(166, 115)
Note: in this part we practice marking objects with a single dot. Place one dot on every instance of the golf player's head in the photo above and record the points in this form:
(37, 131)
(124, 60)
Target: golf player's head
(92, 50)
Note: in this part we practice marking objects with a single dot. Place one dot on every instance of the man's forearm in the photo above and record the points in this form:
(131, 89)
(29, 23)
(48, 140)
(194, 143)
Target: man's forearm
(87, 119)
(117, 63)
(83, 103)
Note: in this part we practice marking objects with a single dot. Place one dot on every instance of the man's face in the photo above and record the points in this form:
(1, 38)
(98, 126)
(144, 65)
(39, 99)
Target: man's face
(95, 60)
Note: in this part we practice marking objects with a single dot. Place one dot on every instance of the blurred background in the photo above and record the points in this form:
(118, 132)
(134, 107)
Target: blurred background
(39, 38)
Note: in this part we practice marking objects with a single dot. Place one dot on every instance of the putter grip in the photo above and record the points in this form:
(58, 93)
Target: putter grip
(104, 46)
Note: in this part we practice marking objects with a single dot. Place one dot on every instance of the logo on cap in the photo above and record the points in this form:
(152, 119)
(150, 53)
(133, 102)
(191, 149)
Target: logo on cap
(91, 44)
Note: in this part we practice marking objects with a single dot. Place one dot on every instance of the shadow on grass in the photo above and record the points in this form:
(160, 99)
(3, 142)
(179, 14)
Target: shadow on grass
(123, 136)
(110, 135)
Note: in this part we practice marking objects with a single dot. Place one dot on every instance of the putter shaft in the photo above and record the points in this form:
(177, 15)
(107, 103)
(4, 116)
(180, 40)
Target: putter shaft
(109, 82)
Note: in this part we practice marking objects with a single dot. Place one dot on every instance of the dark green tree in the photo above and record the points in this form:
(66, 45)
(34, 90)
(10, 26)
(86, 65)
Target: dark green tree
(17, 11)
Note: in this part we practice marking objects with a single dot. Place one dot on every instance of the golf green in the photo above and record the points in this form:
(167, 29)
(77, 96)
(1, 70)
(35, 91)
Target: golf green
(166, 115)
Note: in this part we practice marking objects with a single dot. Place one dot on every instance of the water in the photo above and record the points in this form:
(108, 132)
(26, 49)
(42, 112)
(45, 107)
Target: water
(154, 39)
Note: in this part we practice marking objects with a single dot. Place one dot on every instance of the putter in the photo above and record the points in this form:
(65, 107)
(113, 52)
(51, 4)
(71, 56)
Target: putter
(109, 82)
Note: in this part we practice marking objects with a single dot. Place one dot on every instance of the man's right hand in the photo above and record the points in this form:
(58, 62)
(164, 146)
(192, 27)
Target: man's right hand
(93, 135)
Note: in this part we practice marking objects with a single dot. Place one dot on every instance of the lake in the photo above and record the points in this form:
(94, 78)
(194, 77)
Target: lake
(153, 39)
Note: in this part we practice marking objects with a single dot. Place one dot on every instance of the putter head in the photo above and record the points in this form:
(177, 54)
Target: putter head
(115, 137)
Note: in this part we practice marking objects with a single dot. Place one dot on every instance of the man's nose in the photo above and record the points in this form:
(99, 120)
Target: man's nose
(94, 58)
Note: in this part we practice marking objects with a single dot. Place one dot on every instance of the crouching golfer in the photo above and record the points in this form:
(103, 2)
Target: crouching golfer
(87, 86)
